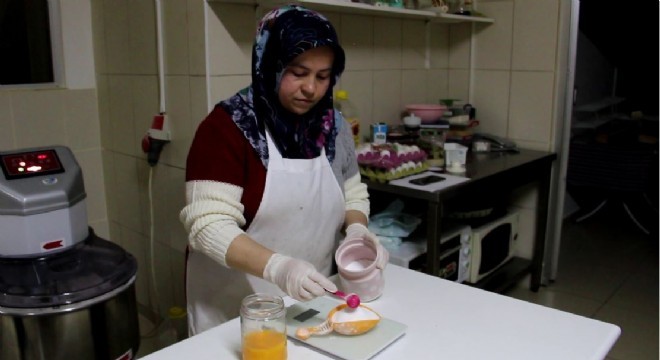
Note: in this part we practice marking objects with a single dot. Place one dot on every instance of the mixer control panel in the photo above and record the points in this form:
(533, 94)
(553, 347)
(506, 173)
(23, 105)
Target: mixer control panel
(33, 163)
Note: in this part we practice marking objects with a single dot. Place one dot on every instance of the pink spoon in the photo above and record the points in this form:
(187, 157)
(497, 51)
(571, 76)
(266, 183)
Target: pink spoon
(352, 300)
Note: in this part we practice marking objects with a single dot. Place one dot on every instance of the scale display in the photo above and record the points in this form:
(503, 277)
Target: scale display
(33, 163)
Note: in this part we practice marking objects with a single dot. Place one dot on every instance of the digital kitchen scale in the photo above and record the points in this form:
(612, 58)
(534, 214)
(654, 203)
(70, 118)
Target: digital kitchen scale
(359, 347)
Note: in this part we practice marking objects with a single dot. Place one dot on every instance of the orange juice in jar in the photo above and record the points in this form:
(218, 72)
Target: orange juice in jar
(263, 327)
(264, 345)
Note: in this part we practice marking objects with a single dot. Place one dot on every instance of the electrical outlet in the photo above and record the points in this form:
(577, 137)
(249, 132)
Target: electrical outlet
(160, 128)
(156, 138)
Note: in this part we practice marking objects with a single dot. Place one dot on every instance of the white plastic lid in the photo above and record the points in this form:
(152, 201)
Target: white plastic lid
(412, 116)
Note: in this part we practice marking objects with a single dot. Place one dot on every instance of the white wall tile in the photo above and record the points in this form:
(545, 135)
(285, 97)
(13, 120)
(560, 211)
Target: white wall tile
(531, 106)
(162, 276)
(459, 43)
(231, 35)
(91, 164)
(491, 98)
(359, 85)
(459, 81)
(535, 34)
(493, 42)
(145, 205)
(81, 119)
(142, 41)
(196, 43)
(199, 106)
(125, 169)
(178, 111)
(175, 37)
(175, 186)
(222, 87)
(77, 44)
(168, 230)
(178, 268)
(134, 243)
(120, 111)
(111, 187)
(413, 46)
(101, 228)
(387, 96)
(437, 85)
(7, 140)
(413, 87)
(98, 37)
(127, 193)
(165, 217)
(387, 43)
(117, 30)
(439, 46)
(535, 145)
(145, 101)
(357, 40)
(39, 117)
(103, 98)
(335, 20)
(115, 233)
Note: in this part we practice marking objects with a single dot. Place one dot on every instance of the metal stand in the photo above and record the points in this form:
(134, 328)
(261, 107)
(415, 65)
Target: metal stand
(628, 210)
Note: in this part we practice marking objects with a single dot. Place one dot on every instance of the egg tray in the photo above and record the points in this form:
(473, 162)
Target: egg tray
(389, 156)
(383, 176)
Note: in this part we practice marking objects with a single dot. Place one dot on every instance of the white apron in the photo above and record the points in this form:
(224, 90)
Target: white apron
(300, 215)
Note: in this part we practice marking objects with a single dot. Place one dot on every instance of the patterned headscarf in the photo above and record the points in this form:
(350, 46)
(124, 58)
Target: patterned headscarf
(283, 34)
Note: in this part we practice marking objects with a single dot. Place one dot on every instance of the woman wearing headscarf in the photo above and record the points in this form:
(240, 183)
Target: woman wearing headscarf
(271, 176)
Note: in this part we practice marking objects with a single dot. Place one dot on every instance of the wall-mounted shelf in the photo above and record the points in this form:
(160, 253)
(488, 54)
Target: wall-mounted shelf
(348, 7)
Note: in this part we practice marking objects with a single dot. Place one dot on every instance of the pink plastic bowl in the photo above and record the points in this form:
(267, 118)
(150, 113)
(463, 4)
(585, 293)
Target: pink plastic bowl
(427, 112)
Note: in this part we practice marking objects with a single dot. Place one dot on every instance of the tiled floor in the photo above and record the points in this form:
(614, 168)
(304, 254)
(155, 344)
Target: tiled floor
(608, 270)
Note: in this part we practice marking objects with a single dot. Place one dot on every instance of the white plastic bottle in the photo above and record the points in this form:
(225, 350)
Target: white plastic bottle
(350, 113)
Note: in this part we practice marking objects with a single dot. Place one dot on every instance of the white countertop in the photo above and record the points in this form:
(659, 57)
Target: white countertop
(445, 320)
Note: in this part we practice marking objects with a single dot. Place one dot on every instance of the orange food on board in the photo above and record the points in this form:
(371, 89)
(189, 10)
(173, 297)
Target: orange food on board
(343, 320)
(264, 345)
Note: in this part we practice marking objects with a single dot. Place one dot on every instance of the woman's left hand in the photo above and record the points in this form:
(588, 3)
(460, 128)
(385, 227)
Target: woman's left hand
(357, 230)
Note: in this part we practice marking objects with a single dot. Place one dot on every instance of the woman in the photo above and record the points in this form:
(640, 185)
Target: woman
(271, 176)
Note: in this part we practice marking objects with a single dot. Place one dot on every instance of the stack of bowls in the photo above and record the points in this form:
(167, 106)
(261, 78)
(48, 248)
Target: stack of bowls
(429, 113)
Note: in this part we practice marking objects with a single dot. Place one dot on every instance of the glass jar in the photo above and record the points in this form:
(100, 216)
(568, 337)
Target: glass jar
(432, 141)
(263, 327)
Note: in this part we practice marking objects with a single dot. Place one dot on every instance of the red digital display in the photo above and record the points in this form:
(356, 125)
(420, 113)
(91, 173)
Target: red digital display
(31, 163)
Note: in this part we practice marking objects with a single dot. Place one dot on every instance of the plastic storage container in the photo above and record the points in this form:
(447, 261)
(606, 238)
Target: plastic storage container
(349, 112)
(356, 263)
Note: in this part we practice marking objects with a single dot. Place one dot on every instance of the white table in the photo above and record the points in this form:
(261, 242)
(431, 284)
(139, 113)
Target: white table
(445, 320)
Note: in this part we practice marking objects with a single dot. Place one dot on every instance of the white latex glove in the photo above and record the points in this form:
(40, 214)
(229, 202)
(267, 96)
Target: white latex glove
(298, 278)
(357, 230)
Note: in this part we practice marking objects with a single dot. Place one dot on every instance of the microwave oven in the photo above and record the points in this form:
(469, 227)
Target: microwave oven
(492, 245)
(453, 259)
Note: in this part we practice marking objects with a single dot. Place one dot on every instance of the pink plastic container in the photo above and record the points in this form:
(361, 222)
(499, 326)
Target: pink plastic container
(356, 262)
(428, 112)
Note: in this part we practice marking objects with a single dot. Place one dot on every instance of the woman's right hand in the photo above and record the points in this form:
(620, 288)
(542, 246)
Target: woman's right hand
(298, 278)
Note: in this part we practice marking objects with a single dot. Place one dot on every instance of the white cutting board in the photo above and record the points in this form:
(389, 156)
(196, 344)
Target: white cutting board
(359, 347)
